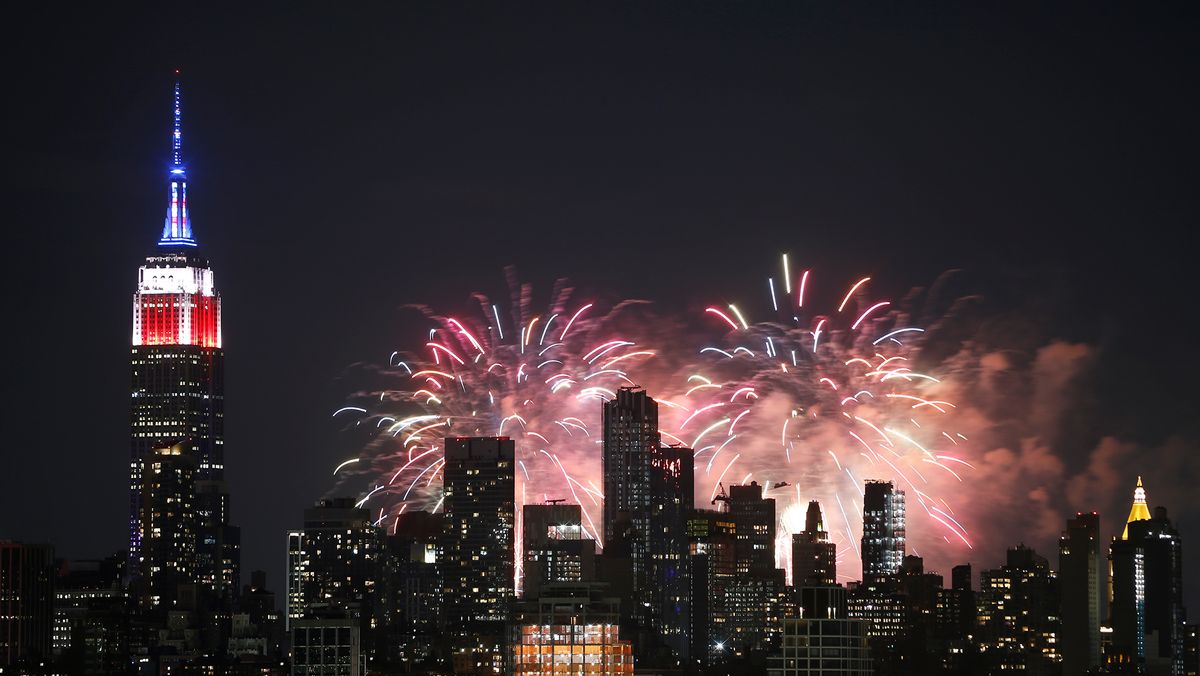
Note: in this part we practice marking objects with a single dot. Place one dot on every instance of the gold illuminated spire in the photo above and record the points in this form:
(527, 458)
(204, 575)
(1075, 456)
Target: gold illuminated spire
(1139, 511)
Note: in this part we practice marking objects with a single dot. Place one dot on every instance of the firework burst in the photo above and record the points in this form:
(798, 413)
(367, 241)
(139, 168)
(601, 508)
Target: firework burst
(815, 403)
(810, 404)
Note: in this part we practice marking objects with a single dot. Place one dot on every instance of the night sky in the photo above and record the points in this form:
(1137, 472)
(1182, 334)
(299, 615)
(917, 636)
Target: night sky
(342, 165)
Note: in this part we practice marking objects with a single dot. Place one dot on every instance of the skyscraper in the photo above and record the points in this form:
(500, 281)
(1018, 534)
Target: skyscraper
(480, 502)
(814, 557)
(177, 370)
(883, 535)
(1147, 613)
(648, 491)
(1080, 567)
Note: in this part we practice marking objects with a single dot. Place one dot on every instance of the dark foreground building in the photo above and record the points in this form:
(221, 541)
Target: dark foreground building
(26, 601)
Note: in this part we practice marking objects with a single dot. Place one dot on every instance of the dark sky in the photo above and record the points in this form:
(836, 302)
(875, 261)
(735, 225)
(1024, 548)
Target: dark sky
(345, 163)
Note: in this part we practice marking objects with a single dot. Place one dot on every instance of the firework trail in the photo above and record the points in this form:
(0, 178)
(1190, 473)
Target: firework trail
(809, 404)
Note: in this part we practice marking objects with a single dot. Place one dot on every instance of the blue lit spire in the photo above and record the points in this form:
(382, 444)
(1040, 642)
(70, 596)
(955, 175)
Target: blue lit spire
(177, 229)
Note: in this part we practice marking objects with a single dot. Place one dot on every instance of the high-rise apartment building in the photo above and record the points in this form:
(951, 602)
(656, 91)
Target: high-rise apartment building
(479, 576)
(1080, 568)
(883, 537)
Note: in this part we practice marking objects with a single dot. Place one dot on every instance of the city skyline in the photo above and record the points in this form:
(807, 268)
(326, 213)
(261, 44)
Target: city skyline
(1072, 461)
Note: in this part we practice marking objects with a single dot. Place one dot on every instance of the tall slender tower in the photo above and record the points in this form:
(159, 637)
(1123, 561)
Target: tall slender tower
(177, 378)
(1080, 567)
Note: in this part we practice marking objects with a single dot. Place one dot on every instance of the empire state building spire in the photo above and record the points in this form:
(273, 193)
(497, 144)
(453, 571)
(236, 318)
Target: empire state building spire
(177, 228)
(1139, 511)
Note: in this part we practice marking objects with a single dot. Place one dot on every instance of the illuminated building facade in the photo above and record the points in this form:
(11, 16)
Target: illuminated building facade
(26, 601)
(177, 379)
(648, 492)
(570, 629)
(1079, 569)
(883, 537)
(479, 586)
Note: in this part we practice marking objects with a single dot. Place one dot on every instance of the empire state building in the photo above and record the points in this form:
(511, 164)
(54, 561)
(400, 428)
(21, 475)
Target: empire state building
(179, 529)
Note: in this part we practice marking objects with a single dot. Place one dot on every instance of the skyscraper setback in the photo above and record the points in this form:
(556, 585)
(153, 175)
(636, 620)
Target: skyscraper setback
(177, 384)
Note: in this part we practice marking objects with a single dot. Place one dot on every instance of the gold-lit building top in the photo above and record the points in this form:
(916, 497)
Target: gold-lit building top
(1139, 511)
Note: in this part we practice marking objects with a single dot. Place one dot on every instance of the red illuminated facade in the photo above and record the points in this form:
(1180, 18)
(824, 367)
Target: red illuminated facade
(176, 303)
